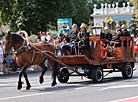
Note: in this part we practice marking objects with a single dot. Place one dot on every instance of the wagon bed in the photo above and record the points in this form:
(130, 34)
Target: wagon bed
(84, 60)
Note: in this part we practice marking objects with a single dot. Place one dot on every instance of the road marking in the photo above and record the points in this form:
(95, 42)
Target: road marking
(118, 87)
(30, 95)
(131, 99)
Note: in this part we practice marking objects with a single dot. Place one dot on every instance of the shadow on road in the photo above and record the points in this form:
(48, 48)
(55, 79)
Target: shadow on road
(74, 85)
(106, 80)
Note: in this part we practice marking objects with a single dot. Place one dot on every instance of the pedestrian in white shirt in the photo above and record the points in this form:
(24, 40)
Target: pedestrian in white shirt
(43, 36)
(48, 36)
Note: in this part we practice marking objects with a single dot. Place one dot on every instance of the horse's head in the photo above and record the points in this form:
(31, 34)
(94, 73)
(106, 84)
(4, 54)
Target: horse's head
(8, 42)
(12, 40)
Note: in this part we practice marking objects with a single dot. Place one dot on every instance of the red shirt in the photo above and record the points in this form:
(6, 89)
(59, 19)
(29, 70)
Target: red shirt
(136, 49)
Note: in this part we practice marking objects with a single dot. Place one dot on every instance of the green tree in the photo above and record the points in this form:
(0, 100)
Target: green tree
(40, 15)
(133, 25)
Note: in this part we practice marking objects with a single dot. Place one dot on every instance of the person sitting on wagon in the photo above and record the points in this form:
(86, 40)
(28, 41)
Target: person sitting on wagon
(83, 39)
(69, 39)
(119, 34)
(106, 35)
(125, 33)
(124, 30)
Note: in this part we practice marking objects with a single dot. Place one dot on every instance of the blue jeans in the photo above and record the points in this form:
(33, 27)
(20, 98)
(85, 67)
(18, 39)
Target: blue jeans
(47, 64)
(71, 48)
(66, 47)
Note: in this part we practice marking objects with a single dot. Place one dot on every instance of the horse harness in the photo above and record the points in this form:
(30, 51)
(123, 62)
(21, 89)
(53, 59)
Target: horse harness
(25, 47)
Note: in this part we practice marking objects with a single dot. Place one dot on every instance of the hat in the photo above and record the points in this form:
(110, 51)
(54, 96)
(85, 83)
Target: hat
(83, 25)
(106, 28)
(55, 37)
(123, 26)
(74, 26)
(117, 26)
(43, 33)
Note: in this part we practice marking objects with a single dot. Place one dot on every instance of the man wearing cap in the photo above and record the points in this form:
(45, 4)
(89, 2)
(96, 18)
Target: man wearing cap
(125, 33)
(119, 34)
(124, 30)
(106, 35)
(83, 39)
(70, 38)
(43, 36)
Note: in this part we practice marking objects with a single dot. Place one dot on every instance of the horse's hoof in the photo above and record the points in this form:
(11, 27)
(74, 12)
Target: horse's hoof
(41, 80)
(19, 85)
(28, 87)
(53, 84)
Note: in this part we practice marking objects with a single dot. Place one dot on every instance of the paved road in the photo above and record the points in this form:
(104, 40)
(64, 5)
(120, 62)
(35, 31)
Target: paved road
(113, 88)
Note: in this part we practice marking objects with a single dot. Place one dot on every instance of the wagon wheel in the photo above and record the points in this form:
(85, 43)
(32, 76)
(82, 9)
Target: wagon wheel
(63, 77)
(97, 75)
(127, 70)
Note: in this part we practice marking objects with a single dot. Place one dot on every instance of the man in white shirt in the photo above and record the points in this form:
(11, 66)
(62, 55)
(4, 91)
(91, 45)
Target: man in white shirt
(48, 36)
(43, 36)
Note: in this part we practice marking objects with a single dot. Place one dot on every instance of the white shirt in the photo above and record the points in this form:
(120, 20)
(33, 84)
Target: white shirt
(1, 41)
(43, 38)
(48, 38)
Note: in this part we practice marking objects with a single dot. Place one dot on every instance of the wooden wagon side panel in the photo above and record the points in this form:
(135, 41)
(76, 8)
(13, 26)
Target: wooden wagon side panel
(73, 59)
(98, 53)
(91, 53)
(127, 52)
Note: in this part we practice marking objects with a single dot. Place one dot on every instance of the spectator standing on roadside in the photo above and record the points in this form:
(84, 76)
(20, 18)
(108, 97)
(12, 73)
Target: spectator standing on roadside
(39, 37)
(1, 58)
(36, 40)
(8, 64)
(1, 40)
(136, 51)
(48, 36)
(43, 36)
(135, 39)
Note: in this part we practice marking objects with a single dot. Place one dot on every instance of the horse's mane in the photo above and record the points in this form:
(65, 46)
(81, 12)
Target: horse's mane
(15, 37)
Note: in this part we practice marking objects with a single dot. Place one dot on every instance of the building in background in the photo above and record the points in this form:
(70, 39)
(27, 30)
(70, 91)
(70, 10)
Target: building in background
(110, 15)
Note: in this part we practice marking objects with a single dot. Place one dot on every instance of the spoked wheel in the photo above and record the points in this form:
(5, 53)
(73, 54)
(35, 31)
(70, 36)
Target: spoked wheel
(63, 77)
(127, 70)
(97, 75)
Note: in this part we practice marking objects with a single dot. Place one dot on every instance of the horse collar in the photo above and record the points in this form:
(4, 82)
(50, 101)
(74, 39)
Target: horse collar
(21, 48)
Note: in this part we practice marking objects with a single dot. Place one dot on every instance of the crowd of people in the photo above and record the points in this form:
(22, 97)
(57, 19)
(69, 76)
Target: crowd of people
(76, 42)
(71, 43)
(5, 62)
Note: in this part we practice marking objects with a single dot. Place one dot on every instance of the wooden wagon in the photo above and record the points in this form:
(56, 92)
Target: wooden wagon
(94, 64)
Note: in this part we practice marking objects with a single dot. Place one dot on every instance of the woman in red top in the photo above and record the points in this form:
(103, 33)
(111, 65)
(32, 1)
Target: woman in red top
(136, 51)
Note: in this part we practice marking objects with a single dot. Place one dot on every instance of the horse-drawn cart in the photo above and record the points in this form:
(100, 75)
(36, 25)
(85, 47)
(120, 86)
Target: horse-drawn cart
(94, 63)
(98, 58)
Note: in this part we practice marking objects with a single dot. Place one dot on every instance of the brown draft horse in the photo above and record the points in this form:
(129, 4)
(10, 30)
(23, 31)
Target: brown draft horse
(24, 58)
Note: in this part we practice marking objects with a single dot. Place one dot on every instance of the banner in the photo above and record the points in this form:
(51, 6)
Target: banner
(64, 26)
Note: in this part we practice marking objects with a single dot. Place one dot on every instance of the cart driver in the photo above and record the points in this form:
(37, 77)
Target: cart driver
(83, 39)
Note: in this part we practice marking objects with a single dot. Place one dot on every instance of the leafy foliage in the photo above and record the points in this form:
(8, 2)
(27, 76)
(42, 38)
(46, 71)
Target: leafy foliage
(133, 26)
(40, 15)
